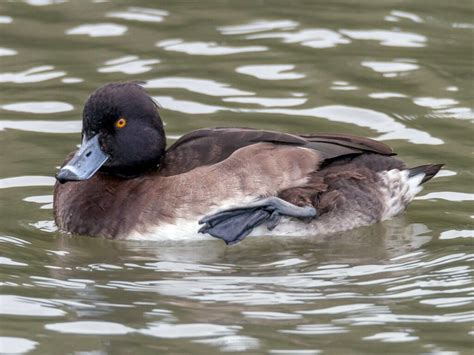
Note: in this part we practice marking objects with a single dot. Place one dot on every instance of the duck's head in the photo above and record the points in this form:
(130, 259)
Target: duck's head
(122, 134)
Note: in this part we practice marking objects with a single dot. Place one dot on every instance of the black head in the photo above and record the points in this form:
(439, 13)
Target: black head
(122, 134)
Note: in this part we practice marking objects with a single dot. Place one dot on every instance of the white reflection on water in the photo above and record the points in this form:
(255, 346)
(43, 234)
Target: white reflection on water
(44, 2)
(271, 315)
(385, 95)
(193, 330)
(6, 19)
(98, 30)
(200, 86)
(7, 261)
(448, 301)
(258, 26)
(350, 308)
(231, 343)
(28, 306)
(270, 72)
(396, 15)
(45, 200)
(453, 234)
(316, 329)
(267, 101)
(175, 266)
(128, 65)
(89, 327)
(388, 38)
(434, 102)
(13, 240)
(392, 337)
(142, 14)
(33, 75)
(342, 85)
(378, 121)
(447, 195)
(24, 181)
(295, 352)
(205, 48)
(15, 345)
(314, 38)
(7, 52)
(42, 126)
(390, 67)
(460, 317)
(185, 106)
(72, 80)
(41, 107)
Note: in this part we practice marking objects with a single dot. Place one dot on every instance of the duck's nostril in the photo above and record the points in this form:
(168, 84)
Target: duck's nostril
(88, 154)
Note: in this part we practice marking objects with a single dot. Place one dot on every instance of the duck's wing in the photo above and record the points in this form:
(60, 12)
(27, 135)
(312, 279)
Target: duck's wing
(211, 145)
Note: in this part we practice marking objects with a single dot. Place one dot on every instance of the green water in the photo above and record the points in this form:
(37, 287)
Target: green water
(399, 71)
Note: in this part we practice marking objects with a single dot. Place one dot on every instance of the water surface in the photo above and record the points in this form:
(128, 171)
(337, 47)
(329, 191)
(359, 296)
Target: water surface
(398, 71)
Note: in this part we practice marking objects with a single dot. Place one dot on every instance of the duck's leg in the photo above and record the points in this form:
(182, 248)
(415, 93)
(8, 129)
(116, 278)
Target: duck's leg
(235, 224)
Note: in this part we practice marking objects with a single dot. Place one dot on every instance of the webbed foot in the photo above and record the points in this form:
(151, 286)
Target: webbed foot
(235, 224)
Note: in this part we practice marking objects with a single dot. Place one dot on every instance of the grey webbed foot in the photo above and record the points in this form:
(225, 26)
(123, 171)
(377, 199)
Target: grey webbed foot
(235, 224)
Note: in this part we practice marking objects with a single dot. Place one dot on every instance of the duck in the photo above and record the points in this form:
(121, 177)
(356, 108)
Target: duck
(225, 183)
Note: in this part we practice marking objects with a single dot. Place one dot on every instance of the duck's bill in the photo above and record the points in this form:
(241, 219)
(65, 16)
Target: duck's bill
(85, 163)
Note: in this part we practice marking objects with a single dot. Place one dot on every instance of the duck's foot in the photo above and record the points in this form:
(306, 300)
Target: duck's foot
(235, 224)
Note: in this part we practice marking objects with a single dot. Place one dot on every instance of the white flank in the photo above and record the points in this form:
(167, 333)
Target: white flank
(398, 189)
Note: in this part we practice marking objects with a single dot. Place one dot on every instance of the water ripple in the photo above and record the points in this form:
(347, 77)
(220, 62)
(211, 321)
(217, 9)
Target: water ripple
(392, 337)
(42, 126)
(388, 38)
(205, 48)
(397, 15)
(270, 72)
(89, 327)
(140, 14)
(267, 101)
(258, 26)
(6, 19)
(15, 345)
(377, 121)
(27, 306)
(4, 52)
(98, 30)
(200, 86)
(41, 107)
(314, 38)
(128, 65)
(33, 75)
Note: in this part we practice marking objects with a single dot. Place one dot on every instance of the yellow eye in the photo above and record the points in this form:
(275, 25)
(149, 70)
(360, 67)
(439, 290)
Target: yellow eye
(121, 122)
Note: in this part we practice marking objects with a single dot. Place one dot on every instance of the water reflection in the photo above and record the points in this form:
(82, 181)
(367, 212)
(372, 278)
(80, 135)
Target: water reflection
(140, 14)
(15, 345)
(7, 52)
(205, 48)
(128, 65)
(270, 72)
(388, 38)
(98, 30)
(314, 38)
(258, 26)
(200, 86)
(33, 75)
(5, 19)
(308, 67)
(41, 107)
(397, 15)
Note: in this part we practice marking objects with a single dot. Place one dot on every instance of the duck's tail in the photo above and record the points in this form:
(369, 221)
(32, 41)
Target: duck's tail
(429, 171)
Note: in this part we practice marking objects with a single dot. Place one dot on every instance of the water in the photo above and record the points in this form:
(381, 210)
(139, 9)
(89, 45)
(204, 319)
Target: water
(399, 71)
